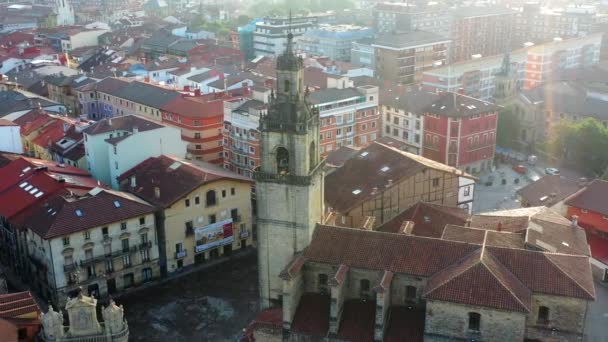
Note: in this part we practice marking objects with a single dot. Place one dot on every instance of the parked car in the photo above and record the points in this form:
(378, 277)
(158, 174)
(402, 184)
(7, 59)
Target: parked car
(521, 169)
(552, 171)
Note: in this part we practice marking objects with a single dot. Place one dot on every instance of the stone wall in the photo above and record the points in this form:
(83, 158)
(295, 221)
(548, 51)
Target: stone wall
(449, 321)
(566, 318)
(399, 285)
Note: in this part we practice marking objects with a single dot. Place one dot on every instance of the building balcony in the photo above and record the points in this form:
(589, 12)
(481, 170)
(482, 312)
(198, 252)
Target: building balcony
(205, 151)
(202, 140)
(145, 245)
(69, 267)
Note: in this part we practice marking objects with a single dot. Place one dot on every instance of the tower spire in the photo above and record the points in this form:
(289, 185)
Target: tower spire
(289, 37)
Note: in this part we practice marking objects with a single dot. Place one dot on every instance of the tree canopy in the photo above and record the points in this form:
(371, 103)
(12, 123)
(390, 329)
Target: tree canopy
(581, 143)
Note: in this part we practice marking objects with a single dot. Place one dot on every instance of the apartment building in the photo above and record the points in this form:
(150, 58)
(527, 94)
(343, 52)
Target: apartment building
(543, 61)
(114, 145)
(62, 89)
(403, 119)
(402, 57)
(349, 117)
(332, 41)
(270, 35)
(102, 241)
(395, 17)
(203, 211)
(484, 31)
(530, 66)
(241, 134)
(460, 131)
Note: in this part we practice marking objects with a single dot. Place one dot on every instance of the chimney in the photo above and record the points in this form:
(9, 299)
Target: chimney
(110, 121)
(468, 222)
(157, 192)
(133, 181)
(574, 221)
(499, 226)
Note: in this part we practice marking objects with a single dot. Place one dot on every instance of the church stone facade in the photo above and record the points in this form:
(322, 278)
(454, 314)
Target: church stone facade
(290, 178)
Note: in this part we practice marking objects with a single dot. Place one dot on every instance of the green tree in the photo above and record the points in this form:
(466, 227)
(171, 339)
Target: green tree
(583, 144)
(508, 128)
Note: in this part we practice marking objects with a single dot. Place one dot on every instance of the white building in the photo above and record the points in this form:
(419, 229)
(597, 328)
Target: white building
(403, 120)
(10, 139)
(115, 145)
(103, 242)
(270, 35)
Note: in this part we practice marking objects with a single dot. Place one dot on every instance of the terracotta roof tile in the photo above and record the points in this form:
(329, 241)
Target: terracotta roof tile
(63, 215)
(16, 304)
(592, 198)
(541, 191)
(429, 219)
(479, 280)
(174, 178)
(373, 167)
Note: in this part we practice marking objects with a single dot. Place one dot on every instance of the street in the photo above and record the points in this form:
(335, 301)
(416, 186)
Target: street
(596, 328)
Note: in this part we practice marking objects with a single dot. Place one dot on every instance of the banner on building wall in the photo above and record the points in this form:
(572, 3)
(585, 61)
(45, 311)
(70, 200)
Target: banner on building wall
(213, 235)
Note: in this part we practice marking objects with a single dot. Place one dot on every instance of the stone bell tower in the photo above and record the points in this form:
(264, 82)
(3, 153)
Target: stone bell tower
(289, 184)
(506, 87)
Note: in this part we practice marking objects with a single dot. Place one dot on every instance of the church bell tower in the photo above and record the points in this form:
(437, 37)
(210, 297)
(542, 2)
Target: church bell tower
(289, 183)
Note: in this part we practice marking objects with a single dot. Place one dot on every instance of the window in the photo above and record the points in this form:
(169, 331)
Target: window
(187, 202)
(396, 120)
(282, 160)
(197, 135)
(410, 293)
(68, 260)
(87, 235)
(388, 129)
(123, 225)
(212, 219)
(467, 191)
(142, 220)
(197, 200)
(474, 321)
(234, 213)
(125, 245)
(435, 182)
(210, 198)
(104, 232)
(223, 193)
(66, 240)
(364, 288)
(543, 314)
(322, 279)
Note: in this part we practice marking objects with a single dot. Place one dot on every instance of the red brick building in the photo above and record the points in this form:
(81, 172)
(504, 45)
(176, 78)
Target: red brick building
(460, 131)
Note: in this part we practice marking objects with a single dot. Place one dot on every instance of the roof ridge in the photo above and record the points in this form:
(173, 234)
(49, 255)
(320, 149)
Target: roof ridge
(504, 285)
(568, 275)
(456, 264)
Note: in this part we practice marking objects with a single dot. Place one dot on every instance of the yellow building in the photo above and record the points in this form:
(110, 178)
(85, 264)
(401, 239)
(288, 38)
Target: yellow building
(203, 211)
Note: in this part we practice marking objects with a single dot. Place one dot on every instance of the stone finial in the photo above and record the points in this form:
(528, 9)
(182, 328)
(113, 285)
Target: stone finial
(113, 316)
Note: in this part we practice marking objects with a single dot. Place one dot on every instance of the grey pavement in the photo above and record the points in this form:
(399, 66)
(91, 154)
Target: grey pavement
(596, 327)
(498, 196)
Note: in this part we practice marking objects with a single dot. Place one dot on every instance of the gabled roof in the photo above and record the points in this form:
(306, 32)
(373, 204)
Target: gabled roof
(147, 94)
(548, 190)
(13, 305)
(479, 280)
(64, 214)
(373, 167)
(174, 178)
(429, 219)
(592, 197)
(191, 108)
(539, 272)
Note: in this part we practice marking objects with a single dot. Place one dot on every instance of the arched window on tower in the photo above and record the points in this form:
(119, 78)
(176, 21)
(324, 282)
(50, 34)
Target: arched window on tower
(286, 86)
(282, 160)
(313, 155)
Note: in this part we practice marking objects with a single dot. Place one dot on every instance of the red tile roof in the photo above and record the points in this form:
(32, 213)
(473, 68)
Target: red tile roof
(429, 219)
(548, 190)
(479, 280)
(62, 214)
(17, 304)
(358, 320)
(33, 120)
(312, 315)
(592, 197)
(50, 134)
(174, 177)
(374, 167)
(540, 272)
(26, 181)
